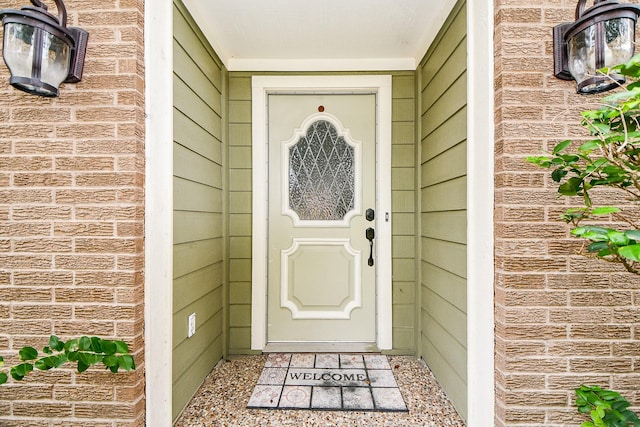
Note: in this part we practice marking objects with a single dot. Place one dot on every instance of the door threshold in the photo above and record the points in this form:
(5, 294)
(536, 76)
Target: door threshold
(321, 347)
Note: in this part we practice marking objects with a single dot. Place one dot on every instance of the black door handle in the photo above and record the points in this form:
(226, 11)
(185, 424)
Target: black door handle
(370, 234)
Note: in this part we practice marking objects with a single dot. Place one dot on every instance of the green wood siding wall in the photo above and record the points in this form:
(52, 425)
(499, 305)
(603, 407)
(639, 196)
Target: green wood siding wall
(403, 201)
(239, 213)
(403, 210)
(199, 215)
(443, 191)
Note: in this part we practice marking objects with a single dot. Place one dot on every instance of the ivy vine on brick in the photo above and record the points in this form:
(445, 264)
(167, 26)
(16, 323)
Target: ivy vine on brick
(84, 352)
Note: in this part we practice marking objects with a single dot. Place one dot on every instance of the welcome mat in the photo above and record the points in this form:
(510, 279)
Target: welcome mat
(350, 382)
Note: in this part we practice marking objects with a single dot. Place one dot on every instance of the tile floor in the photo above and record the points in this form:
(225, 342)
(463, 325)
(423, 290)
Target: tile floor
(222, 400)
(355, 382)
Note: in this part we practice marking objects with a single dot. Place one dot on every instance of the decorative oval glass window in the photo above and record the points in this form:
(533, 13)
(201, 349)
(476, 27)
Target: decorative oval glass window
(321, 174)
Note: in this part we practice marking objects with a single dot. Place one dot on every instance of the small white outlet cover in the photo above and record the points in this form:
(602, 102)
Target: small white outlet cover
(192, 325)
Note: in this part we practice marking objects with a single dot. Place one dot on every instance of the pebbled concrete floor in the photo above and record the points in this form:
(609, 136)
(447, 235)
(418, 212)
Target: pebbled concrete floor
(223, 397)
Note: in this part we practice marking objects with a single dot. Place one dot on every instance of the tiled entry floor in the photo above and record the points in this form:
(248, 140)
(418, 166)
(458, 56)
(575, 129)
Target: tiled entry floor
(354, 382)
(222, 400)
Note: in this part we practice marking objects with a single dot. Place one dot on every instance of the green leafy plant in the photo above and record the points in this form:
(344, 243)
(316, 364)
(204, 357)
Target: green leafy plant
(84, 352)
(611, 159)
(605, 407)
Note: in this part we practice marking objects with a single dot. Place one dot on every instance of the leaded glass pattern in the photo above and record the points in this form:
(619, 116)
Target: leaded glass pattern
(321, 174)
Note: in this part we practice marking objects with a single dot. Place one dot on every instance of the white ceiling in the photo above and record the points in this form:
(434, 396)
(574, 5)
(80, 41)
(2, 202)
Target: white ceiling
(263, 35)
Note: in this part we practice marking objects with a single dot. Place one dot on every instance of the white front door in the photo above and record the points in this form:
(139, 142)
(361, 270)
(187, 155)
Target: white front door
(322, 181)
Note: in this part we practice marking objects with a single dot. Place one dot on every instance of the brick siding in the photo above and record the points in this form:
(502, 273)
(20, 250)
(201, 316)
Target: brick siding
(561, 319)
(71, 223)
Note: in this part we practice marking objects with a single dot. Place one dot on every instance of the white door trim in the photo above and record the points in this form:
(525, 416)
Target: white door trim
(480, 205)
(261, 87)
(158, 222)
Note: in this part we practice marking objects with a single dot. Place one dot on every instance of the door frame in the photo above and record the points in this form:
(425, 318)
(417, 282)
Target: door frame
(262, 86)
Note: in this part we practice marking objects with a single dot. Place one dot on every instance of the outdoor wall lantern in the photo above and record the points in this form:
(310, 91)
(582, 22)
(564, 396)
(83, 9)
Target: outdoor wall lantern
(40, 51)
(602, 36)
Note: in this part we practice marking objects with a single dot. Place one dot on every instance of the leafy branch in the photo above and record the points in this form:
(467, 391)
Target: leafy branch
(84, 352)
(606, 408)
(610, 159)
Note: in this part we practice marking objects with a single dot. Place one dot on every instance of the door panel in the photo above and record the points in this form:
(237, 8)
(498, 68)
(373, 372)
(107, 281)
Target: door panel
(321, 181)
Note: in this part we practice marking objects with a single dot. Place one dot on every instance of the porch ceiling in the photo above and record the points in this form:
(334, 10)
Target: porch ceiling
(299, 35)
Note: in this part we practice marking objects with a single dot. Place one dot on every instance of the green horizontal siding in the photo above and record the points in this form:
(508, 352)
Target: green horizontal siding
(403, 196)
(442, 93)
(403, 211)
(240, 183)
(199, 214)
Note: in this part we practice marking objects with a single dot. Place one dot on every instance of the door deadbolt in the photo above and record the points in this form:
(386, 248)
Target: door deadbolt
(370, 214)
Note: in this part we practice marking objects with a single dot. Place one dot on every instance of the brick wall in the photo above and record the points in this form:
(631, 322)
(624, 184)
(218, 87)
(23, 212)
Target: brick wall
(561, 319)
(71, 223)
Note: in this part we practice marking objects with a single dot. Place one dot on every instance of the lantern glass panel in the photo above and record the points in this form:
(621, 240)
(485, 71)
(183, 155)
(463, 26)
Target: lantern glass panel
(18, 49)
(45, 74)
(618, 48)
(55, 59)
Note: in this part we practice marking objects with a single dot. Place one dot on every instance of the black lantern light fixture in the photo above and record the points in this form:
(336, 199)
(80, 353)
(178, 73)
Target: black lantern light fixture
(40, 51)
(602, 36)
